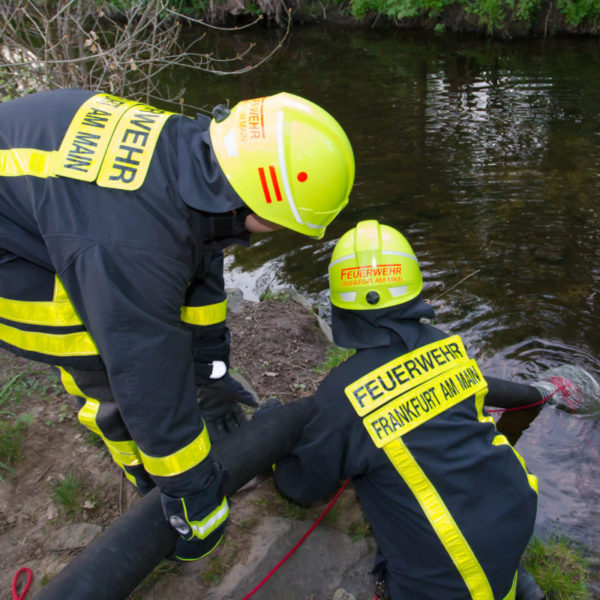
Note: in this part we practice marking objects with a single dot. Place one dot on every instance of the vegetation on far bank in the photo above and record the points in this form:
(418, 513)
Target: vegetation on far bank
(523, 17)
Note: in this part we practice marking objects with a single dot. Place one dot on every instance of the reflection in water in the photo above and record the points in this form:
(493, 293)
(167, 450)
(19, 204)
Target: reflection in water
(486, 154)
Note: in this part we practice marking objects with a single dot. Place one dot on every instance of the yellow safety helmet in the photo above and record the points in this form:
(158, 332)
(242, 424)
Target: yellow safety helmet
(288, 160)
(373, 266)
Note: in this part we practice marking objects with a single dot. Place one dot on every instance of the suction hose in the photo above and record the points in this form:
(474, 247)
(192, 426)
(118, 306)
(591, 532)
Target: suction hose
(121, 557)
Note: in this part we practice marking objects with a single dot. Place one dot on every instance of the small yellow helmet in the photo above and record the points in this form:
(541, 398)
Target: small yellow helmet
(288, 160)
(373, 266)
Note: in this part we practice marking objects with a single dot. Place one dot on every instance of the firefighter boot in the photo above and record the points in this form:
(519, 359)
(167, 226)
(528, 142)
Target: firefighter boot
(527, 587)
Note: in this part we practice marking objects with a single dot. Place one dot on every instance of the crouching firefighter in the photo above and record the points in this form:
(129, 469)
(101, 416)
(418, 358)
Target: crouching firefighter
(450, 502)
(113, 219)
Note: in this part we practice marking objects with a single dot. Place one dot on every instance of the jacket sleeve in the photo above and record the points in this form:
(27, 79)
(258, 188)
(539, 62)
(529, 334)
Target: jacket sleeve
(509, 394)
(130, 300)
(324, 454)
(204, 315)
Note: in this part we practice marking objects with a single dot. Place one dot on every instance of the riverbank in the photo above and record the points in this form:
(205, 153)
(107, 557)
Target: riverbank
(535, 18)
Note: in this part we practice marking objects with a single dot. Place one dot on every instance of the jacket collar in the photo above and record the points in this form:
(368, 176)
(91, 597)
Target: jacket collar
(380, 327)
(201, 181)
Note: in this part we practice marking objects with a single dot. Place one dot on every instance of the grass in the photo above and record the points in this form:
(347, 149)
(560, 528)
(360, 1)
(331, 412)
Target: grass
(358, 529)
(262, 501)
(213, 574)
(68, 493)
(25, 383)
(64, 413)
(560, 567)
(291, 510)
(276, 295)
(11, 389)
(11, 442)
(331, 517)
(491, 14)
(220, 561)
(334, 357)
(93, 439)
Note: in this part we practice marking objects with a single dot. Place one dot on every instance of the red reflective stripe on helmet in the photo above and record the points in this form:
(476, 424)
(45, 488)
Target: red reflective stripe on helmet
(263, 182)
(275, 183)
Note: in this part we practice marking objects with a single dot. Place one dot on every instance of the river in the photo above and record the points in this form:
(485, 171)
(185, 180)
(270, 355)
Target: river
(486, 155)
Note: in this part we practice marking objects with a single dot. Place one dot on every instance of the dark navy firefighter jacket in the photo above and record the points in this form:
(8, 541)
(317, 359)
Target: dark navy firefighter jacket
(119, 268)
(449, 501)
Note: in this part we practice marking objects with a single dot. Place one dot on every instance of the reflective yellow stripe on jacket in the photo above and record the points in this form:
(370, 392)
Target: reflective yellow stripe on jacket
(442, 522)
(66, 344)
(210, 314)
(202, 529)
(440, 519)
(187, 457)
(17, 162)
(501, 440)
(59, 312)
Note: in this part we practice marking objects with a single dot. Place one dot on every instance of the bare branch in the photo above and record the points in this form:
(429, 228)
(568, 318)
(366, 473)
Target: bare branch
(76, 43)
(216, 27)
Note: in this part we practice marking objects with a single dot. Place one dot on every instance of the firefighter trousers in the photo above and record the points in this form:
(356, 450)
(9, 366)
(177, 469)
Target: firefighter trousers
(98, 411)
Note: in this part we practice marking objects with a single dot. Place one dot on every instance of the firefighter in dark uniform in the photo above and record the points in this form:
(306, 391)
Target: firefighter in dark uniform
(450, 502)
(113, 220)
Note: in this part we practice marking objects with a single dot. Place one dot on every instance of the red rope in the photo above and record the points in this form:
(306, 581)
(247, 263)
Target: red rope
(565, 386)
(15, 594)
(313, 526)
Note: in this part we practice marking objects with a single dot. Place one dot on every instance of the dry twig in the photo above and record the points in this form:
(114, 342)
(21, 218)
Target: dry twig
(76, 43)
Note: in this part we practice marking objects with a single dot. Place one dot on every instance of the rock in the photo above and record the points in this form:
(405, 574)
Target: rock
(336, 564)
(325, 329)
(253, 483)
(296, 296)
(235, 300)
(75, 536)
(245, 384)
(342, 594)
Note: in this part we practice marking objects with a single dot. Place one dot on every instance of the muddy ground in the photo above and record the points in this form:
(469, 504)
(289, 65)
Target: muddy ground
(277, 346)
